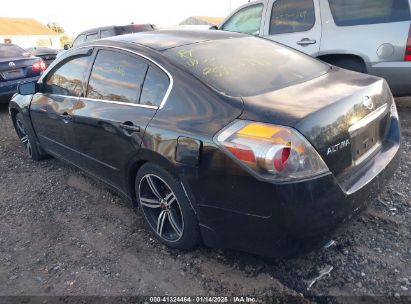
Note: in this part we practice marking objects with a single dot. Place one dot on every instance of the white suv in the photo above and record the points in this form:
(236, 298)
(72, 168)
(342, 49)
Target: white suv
(368, 36)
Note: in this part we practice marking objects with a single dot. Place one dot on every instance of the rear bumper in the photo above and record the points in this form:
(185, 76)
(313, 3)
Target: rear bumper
(8, 88)
(397, 74)
(288, 219)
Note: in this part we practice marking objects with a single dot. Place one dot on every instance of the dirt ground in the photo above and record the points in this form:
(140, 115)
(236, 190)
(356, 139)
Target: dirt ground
(62, 233)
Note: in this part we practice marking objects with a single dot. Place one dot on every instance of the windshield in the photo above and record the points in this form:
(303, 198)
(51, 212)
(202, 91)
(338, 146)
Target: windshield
(9, 51)
(246, 66)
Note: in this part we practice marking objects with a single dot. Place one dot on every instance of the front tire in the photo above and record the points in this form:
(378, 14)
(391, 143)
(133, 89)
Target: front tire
(27, 139)
(166, 208)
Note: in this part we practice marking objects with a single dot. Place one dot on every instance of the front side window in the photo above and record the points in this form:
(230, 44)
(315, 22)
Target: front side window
(67, 79)
(290, 16)
(246, 20)
(106, 33)
(92, 37)
(155, 87)
(360, 12)
(79, 40)
(116, 77)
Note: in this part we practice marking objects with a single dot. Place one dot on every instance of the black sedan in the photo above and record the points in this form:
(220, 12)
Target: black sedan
(17, 66)
(229, 139)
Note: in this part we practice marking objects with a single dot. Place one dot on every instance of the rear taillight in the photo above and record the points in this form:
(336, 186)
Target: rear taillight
(38, 66)
(408, 47)
(271, 152)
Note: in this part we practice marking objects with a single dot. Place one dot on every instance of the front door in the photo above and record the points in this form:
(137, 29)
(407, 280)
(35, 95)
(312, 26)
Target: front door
(111, 119)
(52, 109)
(295, 23)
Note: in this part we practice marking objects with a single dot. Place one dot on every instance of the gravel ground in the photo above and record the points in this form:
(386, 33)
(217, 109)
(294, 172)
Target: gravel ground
(62, 233)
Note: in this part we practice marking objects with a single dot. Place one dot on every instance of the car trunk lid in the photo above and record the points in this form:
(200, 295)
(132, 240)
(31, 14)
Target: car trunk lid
(343, 114)
(16, 68)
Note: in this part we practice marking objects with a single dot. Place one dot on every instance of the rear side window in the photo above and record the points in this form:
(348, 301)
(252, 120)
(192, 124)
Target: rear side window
(290, 16)
(67, 79)
(80, 39)
(246, 20)
(116, 77)
(360, 12)
(155, 87)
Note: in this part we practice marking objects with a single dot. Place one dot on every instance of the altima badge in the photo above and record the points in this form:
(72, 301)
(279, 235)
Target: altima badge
(12, 64)
(338, 147)
(367, 102)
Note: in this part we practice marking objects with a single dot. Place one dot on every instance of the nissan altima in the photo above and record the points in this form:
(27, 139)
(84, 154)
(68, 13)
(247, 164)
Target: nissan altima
(218, 137)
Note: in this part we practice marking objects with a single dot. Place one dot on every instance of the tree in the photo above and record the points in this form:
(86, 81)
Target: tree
(56, 27)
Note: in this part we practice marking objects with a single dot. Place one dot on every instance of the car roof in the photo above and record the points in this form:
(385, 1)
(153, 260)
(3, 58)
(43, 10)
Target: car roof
(167, 39)
(109, 27)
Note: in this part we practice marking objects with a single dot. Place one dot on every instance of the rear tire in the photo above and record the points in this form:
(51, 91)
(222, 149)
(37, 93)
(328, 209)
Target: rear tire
(27, 139)
(166, 208)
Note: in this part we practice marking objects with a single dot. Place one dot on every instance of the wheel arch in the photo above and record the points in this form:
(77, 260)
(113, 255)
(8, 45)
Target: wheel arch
(332, 57)
(146, 156)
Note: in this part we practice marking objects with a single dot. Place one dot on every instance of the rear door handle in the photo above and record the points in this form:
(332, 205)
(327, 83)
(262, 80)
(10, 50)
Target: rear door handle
(306, 41)
(129, 126)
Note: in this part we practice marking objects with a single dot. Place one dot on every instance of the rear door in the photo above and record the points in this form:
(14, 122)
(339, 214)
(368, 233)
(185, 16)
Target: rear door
(52, 109)
(112, 117)
(295, 23)
(376, 30)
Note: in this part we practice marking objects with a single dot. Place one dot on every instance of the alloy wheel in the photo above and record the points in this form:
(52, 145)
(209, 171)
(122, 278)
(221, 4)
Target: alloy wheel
(24, 138)
(161, 208)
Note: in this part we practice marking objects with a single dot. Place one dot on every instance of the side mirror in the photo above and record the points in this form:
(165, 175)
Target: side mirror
(66, 46)
(214, 27)
(28, 88)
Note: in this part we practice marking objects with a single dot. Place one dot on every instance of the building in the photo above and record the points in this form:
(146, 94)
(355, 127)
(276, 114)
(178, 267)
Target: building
(27, 32)
(202, 20)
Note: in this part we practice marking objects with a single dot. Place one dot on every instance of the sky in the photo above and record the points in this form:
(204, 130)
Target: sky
(78, 15)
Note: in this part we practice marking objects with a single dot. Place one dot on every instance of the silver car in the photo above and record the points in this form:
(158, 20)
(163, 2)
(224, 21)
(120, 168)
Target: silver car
(368, 36)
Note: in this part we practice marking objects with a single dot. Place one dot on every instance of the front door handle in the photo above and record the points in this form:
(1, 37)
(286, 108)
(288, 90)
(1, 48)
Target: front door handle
(129, 126)
(306, 41)
(66, 117)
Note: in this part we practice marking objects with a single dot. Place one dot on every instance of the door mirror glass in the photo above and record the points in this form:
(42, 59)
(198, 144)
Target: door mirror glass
(213, 27)
(28, 88)
(66, 46)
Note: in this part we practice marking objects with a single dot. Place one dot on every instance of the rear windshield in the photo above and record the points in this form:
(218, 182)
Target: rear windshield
(360, 12)
(246, 66)
(9, 51)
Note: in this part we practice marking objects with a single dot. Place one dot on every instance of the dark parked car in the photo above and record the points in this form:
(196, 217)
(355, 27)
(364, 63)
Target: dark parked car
(47, 54)
(17, 66)
(109, 31)
(232, 139)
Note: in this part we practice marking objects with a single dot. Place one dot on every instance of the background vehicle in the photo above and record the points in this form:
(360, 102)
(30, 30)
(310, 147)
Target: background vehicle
(257, 149)
(47, 54)
(17, 66)
(109, 31)
(370, 36)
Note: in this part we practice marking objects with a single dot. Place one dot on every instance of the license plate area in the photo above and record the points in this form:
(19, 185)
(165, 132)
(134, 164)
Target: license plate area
(366, 135)
(12, 74)
(367, 140)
